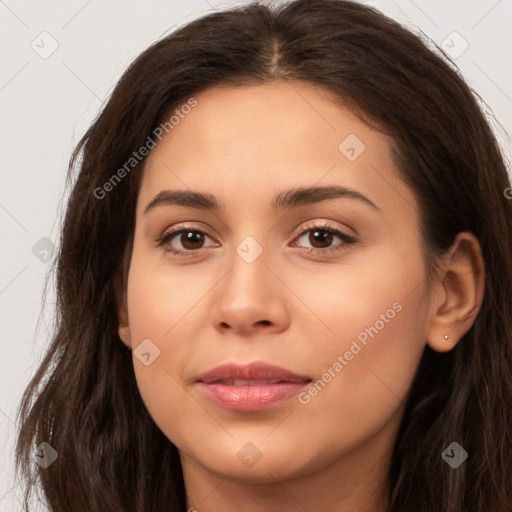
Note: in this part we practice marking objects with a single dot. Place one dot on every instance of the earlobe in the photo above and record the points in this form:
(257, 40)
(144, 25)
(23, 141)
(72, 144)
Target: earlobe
(123, 324)
(124, 335)
(458, 295)
(122, 313)
(441, 343)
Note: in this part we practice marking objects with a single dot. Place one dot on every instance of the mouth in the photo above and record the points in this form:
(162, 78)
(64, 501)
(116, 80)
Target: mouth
(252, 387)
(261, 382)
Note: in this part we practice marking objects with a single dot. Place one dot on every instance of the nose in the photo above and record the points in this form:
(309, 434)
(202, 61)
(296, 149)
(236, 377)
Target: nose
(249, 299)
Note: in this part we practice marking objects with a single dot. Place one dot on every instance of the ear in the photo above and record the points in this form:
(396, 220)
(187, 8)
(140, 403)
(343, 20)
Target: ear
(122, 305)
(458, 295)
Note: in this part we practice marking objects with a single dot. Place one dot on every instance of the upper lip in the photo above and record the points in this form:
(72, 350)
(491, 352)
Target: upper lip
(257, 370)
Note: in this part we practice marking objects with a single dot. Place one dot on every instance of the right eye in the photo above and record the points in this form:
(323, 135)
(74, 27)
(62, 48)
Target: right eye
(190, 240)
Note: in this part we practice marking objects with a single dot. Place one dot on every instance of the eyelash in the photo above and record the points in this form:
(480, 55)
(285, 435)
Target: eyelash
(347, 239)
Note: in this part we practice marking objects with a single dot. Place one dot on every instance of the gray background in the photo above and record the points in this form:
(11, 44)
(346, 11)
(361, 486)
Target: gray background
(48, 100)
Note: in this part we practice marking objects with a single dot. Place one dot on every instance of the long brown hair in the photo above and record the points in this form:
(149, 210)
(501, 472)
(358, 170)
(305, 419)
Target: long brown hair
(84, 401)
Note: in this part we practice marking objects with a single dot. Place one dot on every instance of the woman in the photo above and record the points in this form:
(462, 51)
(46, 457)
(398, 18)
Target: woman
(283, 280)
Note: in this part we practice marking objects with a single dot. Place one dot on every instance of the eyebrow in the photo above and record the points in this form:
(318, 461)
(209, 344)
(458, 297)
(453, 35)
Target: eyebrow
(289, 199)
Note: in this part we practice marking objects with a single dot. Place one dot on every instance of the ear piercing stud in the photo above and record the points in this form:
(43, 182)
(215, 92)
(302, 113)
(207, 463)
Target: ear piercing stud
(447, 338)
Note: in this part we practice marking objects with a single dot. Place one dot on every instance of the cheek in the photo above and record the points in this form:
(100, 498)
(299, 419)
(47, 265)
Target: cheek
(164, 300)
(368, 360)
(165, 310)
(363, 384)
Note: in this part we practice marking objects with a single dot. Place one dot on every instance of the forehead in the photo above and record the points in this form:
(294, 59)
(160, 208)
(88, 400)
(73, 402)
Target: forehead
(253, 139)
(253, 120)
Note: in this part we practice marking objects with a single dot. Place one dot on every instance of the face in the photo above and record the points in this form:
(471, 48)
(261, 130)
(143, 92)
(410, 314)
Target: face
(327, 284)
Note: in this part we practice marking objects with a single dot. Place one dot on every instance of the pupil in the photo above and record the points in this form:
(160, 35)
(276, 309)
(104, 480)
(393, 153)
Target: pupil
(323, 237)
(191, 237)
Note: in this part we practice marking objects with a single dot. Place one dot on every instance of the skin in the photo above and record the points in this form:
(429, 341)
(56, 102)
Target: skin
(290, 307)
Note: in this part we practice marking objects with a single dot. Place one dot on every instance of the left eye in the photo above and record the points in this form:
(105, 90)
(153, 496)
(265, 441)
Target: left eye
(321, 238)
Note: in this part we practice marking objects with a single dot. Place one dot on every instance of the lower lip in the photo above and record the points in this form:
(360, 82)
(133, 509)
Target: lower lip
(251, 398)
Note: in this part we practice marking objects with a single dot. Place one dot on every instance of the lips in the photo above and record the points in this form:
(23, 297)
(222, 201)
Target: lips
(256, 373)
(252, 387)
